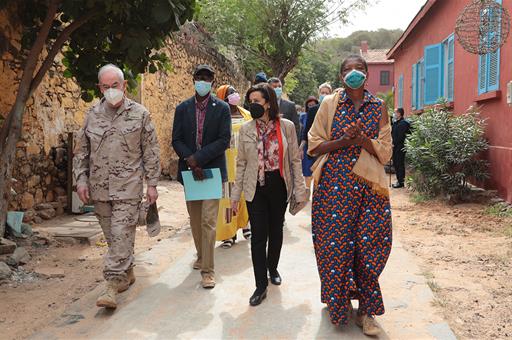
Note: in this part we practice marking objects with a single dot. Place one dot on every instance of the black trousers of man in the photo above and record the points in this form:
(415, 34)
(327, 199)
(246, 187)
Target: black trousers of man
(266, 214)
(399, 164)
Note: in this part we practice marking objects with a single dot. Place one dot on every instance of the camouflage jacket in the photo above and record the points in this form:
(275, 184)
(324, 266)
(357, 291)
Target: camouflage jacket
(114, 151)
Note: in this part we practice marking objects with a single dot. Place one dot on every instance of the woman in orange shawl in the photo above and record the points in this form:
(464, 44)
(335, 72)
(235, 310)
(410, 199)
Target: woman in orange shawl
(228, 223)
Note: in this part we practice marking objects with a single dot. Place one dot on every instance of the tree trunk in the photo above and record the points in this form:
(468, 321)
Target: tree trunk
(14, 126)
(11, 129)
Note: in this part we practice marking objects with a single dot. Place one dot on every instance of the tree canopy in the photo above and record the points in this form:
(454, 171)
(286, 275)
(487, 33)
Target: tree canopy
(270, 35)
(89, 33)
(320, 60)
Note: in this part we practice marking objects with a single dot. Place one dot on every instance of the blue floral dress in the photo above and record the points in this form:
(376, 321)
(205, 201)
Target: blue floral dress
(351, 224)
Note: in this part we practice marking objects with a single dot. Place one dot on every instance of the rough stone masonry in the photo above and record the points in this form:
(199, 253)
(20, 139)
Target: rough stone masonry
(40, 174)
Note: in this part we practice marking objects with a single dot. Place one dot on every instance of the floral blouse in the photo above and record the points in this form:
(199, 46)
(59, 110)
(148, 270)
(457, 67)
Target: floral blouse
(268, 148)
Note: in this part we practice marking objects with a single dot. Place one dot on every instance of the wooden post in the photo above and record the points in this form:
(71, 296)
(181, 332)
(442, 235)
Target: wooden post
(69, 186)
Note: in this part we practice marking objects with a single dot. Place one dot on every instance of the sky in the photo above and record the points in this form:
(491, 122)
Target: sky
(388, 14)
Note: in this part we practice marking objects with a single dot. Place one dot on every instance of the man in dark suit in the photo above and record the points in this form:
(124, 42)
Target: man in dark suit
(399, 132)
(286, 107)
(200, 136)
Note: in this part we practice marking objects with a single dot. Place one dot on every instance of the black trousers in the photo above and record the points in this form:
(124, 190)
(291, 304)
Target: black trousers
(266, 213)
(399, 164)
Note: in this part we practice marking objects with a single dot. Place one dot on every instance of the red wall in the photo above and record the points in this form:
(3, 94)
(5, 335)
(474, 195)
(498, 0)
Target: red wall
(436, 26)
(373, 84)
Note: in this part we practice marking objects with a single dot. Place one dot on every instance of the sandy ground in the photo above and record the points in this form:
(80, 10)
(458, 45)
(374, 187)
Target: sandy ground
(32, 303)
(464, 253)
(466, 256)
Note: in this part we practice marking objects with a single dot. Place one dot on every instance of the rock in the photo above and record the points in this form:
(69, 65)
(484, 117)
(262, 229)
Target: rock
(60, 191)
(20, 256)
(48, 180)
(38, 220)
(5, 271)
(50, 196)
(59, 211)
(29, 216)
(26, 170)
(44, 206)
(33, 150)
(40, 242)
(55, 205)
(33, 181)
(71, 241)
(20, 154)
(11, 262)
(27, 201)
(6, 246)
(26, 229)
(47, 214)
(63, 200)
(38, 197)
(50, 273)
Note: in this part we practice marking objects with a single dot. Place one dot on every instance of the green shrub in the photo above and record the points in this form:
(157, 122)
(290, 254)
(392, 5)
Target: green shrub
(442, 150)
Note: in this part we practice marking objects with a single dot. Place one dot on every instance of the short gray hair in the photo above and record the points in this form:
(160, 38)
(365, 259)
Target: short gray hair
(111, 67)
(325, 85)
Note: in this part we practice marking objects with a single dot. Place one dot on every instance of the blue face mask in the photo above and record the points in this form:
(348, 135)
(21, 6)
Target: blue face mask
(321, 98)
(354, 79)
(279, 92)
(202, 87)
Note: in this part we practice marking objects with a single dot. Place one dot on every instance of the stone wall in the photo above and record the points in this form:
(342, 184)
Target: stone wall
(40, 173)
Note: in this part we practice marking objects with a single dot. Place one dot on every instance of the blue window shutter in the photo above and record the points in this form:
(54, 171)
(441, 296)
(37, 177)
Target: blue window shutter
(489, 64)
(421, 84)
(401, 91)
(433, 73)
(493, 71)
(451, 68)
(414, 88)
(482, 74)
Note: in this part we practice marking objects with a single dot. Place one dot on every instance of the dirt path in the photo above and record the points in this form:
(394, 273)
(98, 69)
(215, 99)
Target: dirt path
(464, 253)
(466, 256)
(31, 303)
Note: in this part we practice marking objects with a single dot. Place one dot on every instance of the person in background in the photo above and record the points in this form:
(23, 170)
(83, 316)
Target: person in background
(286, 107)
(201, 134)
(268, 173)
(261, 77)
(302, 116)
(351, 214)
(228, 223)
(401, 128)
(308, 161)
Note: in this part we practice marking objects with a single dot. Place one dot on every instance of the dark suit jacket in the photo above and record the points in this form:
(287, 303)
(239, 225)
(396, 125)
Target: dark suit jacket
(311, 114)
(216, 135)
(399, 132)
(288, 110)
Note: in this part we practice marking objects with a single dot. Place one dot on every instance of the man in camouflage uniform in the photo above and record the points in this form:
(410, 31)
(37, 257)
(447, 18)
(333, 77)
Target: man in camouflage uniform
(115, 150)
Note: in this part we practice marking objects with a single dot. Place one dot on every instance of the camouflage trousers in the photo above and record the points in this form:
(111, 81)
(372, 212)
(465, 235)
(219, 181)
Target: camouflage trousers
(118, 219)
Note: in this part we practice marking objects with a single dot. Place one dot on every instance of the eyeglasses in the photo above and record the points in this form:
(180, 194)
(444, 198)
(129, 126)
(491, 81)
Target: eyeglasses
(105, 87)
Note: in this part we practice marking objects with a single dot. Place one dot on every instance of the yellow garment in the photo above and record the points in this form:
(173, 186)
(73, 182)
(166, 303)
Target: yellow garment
(368, 168)
(227, 224)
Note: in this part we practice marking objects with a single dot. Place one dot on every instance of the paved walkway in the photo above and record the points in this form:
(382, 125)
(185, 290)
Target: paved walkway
(172, 305)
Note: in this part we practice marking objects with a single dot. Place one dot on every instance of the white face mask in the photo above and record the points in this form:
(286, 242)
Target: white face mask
(113, 96)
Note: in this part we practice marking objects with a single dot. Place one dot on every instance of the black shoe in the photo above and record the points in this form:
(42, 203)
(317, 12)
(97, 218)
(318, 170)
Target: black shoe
(258, 297)
(398, 185)
(275, 278)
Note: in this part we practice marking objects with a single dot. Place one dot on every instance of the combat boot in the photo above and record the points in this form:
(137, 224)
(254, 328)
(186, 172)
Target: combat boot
(108, 298)
(123, 286)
